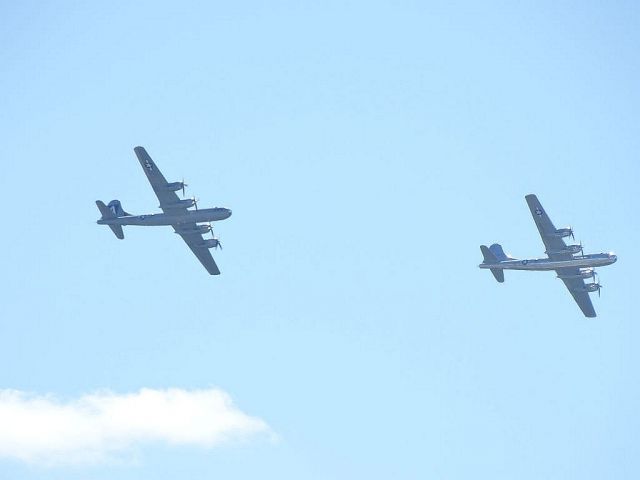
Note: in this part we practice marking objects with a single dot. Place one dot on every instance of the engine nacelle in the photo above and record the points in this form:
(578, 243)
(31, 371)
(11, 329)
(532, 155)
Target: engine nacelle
(210, 243)
(198, 229)
(175, 186)
(582, 274)
(186, 203)
(563, 232)
(572, 249)
(203, 228)
(592, 287)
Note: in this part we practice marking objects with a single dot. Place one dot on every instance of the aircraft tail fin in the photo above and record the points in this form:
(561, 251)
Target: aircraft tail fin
(494, 254)
(116, 208)
(498, 252)
(489, 256)
(108, 212)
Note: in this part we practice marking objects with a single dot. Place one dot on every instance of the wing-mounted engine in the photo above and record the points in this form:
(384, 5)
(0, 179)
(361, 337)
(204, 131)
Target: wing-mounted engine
(211, 243)
(593, 287)
(176, 186)
(563, 233)
(570, 249)
(197, 229)
(583, 273)
(186, 203)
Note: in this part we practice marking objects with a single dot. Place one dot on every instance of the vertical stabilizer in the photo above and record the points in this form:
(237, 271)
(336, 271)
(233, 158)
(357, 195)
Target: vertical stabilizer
(497, 250)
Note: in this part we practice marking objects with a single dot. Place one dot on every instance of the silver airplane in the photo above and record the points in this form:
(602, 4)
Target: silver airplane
(571, 268)
(189, 224)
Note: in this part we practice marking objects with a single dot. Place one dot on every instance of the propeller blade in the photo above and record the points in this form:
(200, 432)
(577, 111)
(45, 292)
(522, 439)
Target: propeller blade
(572, 236)
(214, 237)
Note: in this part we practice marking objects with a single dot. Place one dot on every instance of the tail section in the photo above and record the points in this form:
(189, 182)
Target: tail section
(113, 210)
(496, 249)
(116, 208)
(494, 254)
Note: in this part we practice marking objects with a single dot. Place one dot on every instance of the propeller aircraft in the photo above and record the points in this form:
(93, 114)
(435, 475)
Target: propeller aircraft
(571, 264)
(189, 224)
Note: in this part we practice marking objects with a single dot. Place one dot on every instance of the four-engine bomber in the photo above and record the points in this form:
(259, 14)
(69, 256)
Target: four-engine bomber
(189, 224)
(571, 268)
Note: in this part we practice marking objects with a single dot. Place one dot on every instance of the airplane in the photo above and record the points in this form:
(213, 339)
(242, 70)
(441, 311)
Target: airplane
(186, 223)
(571, 268)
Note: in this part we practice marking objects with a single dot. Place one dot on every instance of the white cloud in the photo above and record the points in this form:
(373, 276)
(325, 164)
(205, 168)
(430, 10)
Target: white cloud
(104, 426)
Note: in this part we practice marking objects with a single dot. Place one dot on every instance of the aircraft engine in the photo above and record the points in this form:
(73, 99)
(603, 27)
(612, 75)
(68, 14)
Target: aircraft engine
(211, 243)
(175, 186)
(574, 248)
(587, 273)
(583, 273)
(186, 203)
(564, 232)
(198, 229)
(593, 287)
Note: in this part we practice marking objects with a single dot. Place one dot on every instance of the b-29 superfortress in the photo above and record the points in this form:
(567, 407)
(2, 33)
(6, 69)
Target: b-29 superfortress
(189, 224)
(572, 266)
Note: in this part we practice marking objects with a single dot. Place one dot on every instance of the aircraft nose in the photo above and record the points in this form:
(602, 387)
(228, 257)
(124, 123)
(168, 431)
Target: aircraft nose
(228, 212)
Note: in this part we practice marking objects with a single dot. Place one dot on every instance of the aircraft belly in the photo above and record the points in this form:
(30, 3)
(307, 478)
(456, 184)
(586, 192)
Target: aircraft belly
(164, 219)
(552, 264)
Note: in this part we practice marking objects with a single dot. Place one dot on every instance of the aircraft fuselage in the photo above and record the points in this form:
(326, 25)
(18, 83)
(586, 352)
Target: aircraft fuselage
(160, 219)
(583, 261)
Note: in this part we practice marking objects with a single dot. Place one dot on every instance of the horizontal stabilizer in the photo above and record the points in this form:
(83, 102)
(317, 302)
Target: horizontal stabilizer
(117, 230)
(498, 273)
(108, 213)
(489, 256)
(104, 210)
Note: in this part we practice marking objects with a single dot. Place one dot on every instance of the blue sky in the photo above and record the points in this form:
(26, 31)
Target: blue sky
(366, 149)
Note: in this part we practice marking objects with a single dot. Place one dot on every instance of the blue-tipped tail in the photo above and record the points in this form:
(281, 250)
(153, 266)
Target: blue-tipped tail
(111, 211)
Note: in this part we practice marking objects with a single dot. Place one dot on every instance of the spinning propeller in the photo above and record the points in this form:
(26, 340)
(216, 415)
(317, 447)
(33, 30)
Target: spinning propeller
(214, 237)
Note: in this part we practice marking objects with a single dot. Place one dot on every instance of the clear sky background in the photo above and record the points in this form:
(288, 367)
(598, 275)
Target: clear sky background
(366, 149)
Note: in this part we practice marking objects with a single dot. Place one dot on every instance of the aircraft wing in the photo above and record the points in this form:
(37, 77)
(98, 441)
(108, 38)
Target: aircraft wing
(547, 230)
(168, 199)
(576, 288)
(194, 240)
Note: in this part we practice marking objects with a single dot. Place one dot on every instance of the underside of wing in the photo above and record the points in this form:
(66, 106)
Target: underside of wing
(577, 288)
(166, 196)
(548, 232)
(195, 243)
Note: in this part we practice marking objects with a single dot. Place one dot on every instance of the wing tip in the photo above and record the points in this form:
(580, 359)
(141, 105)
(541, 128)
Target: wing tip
(139, 150)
